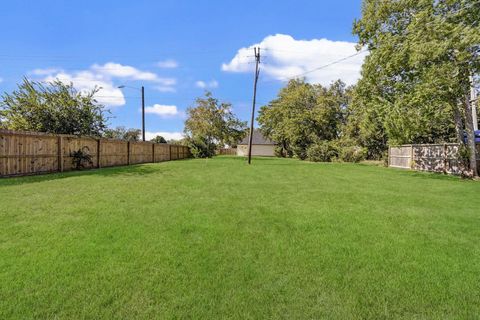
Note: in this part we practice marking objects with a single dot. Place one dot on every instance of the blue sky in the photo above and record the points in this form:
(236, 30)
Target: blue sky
(176, 49)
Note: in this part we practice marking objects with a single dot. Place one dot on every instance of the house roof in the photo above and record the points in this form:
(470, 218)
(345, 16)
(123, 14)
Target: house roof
(257, 138)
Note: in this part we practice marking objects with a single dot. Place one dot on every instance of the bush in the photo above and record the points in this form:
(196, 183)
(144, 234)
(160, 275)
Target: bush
(81, 157)
(282, 152)
(464, 158)
(201, 148)
(322, 151)
(352, 154)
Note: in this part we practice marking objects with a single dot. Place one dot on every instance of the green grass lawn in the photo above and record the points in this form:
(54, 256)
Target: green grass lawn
(206, 239)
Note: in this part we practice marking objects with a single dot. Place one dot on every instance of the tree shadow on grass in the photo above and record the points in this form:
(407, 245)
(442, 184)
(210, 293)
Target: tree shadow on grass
(428, 175)
(133, 170)
(274, 161)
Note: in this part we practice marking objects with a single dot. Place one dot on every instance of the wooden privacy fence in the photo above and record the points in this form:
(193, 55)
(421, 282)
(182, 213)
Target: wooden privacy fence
(26, 153)
(428, 157)
(227, 151)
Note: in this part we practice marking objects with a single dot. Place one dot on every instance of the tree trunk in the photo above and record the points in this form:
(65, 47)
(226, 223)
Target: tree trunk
(470, 135)
(457, 115)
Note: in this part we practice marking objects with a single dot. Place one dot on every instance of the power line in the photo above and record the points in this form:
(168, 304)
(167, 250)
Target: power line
(364, 50)
(319, 68)
(330, 64)
(76, 58)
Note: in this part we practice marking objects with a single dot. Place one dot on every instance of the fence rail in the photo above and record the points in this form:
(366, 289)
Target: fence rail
(227, 151)
(27, 153)
(429, 157)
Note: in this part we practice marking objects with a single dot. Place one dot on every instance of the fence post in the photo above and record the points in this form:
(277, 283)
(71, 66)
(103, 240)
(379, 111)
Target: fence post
(169, 152)
(389, 156)
(445, 160)
(60, 154)
(411, 158)
(99, 142)
(153, 152)
(128, 153)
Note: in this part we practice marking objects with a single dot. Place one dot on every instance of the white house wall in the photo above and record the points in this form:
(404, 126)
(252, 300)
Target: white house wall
(257, 150)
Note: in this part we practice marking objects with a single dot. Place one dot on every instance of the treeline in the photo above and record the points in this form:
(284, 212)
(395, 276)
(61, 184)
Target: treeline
(414, 87)
(59, 108)
(310, 121)
(56, 107)
(211, 124)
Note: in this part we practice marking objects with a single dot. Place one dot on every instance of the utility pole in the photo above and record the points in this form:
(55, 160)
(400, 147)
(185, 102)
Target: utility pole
(143, 113)
(257, 72)
(142, 89)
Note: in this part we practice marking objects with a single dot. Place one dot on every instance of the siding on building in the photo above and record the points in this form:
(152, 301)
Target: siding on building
(265, 150)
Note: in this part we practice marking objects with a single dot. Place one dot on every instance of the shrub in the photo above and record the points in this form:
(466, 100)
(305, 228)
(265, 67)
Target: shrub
(201, 148)
(282, 152)
(352, 153)
(81, 157)
(322, 151)
(464, 158)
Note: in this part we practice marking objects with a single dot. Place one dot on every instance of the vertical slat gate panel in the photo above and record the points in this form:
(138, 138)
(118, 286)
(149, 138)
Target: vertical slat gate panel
(442, 158)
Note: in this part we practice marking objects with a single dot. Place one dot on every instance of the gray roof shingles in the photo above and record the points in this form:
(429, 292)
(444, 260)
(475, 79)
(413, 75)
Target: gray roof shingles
(258, 138)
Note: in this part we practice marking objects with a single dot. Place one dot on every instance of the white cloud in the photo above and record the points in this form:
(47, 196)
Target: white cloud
(167, 64)
(206, 85)
(103, 77)
(84, 81)
(288, 57)
(117, 70)
(121, 71)
(167, 135)
(200, 84)
(44, 72)
(165, 89)
(162, 110)
(167, 81)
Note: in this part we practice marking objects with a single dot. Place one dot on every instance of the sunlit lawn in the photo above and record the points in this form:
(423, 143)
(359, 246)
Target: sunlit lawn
(206, 239)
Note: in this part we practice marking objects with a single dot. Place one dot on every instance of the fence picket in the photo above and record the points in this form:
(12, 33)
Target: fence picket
(428, 157)
(27, 153)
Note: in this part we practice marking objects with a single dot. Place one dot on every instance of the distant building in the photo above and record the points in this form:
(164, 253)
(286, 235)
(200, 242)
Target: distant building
(261, 146)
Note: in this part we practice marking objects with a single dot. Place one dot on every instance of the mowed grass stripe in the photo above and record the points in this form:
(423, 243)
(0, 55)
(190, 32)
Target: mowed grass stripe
(218, 238)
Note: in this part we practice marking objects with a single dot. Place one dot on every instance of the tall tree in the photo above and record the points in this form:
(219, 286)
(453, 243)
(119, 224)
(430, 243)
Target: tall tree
(159, 139)
(122, 133)
(303, 114)
(211, 123)
(416, 78)
(55, 107)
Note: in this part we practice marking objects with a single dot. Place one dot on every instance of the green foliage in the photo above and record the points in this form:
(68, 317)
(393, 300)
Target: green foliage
(352, 153)
(281, 151)
(211, 123)
(315, 123)
(201, 147)
(421, 55)
(54, 108)
(81, 158)
(349, 149)
(159, 139)
(303, 114)
(464, 157)
(336, 150)
(364, 126)
(122, 133)
(181, 142)
(322, 151)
